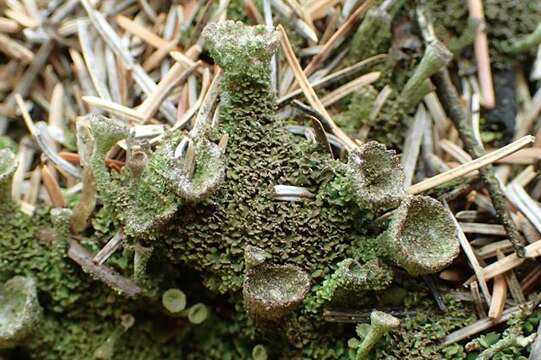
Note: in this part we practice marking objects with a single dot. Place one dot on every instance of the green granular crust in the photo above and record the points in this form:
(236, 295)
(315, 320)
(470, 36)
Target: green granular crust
(349, 284)
(260, 154)
(505, 20)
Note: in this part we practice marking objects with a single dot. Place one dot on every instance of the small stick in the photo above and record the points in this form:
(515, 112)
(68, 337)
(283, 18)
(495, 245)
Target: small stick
(301, 26)
(9, 26)
(482, 325)
(82, 256)
(114, 108)
(412, 144)
(35, 68)
(349, 88)
(253, 13)
(353, 316)
(55, 194)
(470, 166)
(482, 55)
(455, 151)
(435, 292)
(435, 108)
(477, 301)
(492, 249)
(499, 296)
(317, 9)
(334, 77)
(529, 231)
(309, 91)
(512, 283)
(450, 100)
(470, 254)
(138, 30)
(531, 280)
(91, 62)
(176, 74)
(330, 27)
(109, 249)
(485, 229)
(76, 160)
(31, 196)
(509, 262)
(14, 49)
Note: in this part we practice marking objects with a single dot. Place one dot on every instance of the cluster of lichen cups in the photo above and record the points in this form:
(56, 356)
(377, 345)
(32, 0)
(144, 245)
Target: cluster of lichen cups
(186, 168)
(272, 290)
(186, 165)
(420, 238)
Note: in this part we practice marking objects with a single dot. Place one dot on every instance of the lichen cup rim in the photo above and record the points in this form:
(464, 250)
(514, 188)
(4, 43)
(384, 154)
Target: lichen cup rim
(435, 249)
(379, 194)
(270, 291)
(8, 163)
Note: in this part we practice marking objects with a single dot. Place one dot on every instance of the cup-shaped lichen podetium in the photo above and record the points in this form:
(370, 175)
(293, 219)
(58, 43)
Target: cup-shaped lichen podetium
(106, 132)
(271, 291)
(377, 177)
(350, 282)
(242, 51)
(8, 165)
(421, 237)
(195, 167)
(436, 57)
(20, 311)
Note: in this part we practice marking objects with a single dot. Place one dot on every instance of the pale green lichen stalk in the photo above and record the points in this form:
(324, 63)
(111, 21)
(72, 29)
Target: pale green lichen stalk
(374, 34)
(436, 57)
(243, 52)
(380, 324)
(8, 166)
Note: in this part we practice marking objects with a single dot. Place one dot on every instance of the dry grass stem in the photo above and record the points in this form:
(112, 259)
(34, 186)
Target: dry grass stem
(338, 37)
(470, 166)
(109, 249)
(470, 254)
(499, 296)
(481, 55)
(309, 91)
(52, 187)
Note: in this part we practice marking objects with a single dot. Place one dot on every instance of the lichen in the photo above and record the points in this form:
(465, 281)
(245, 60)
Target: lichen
(256, 273)
(505, 21)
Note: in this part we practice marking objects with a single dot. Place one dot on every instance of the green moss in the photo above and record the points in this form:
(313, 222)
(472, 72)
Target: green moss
(358, 111)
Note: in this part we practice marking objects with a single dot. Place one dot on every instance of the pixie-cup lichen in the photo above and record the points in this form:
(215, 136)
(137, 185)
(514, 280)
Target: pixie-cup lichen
(188, 168)
(421, 237)
(187, 204)
(436, 57)
(377, 177)
(271, 291)
(380, 324)
(20, 311)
